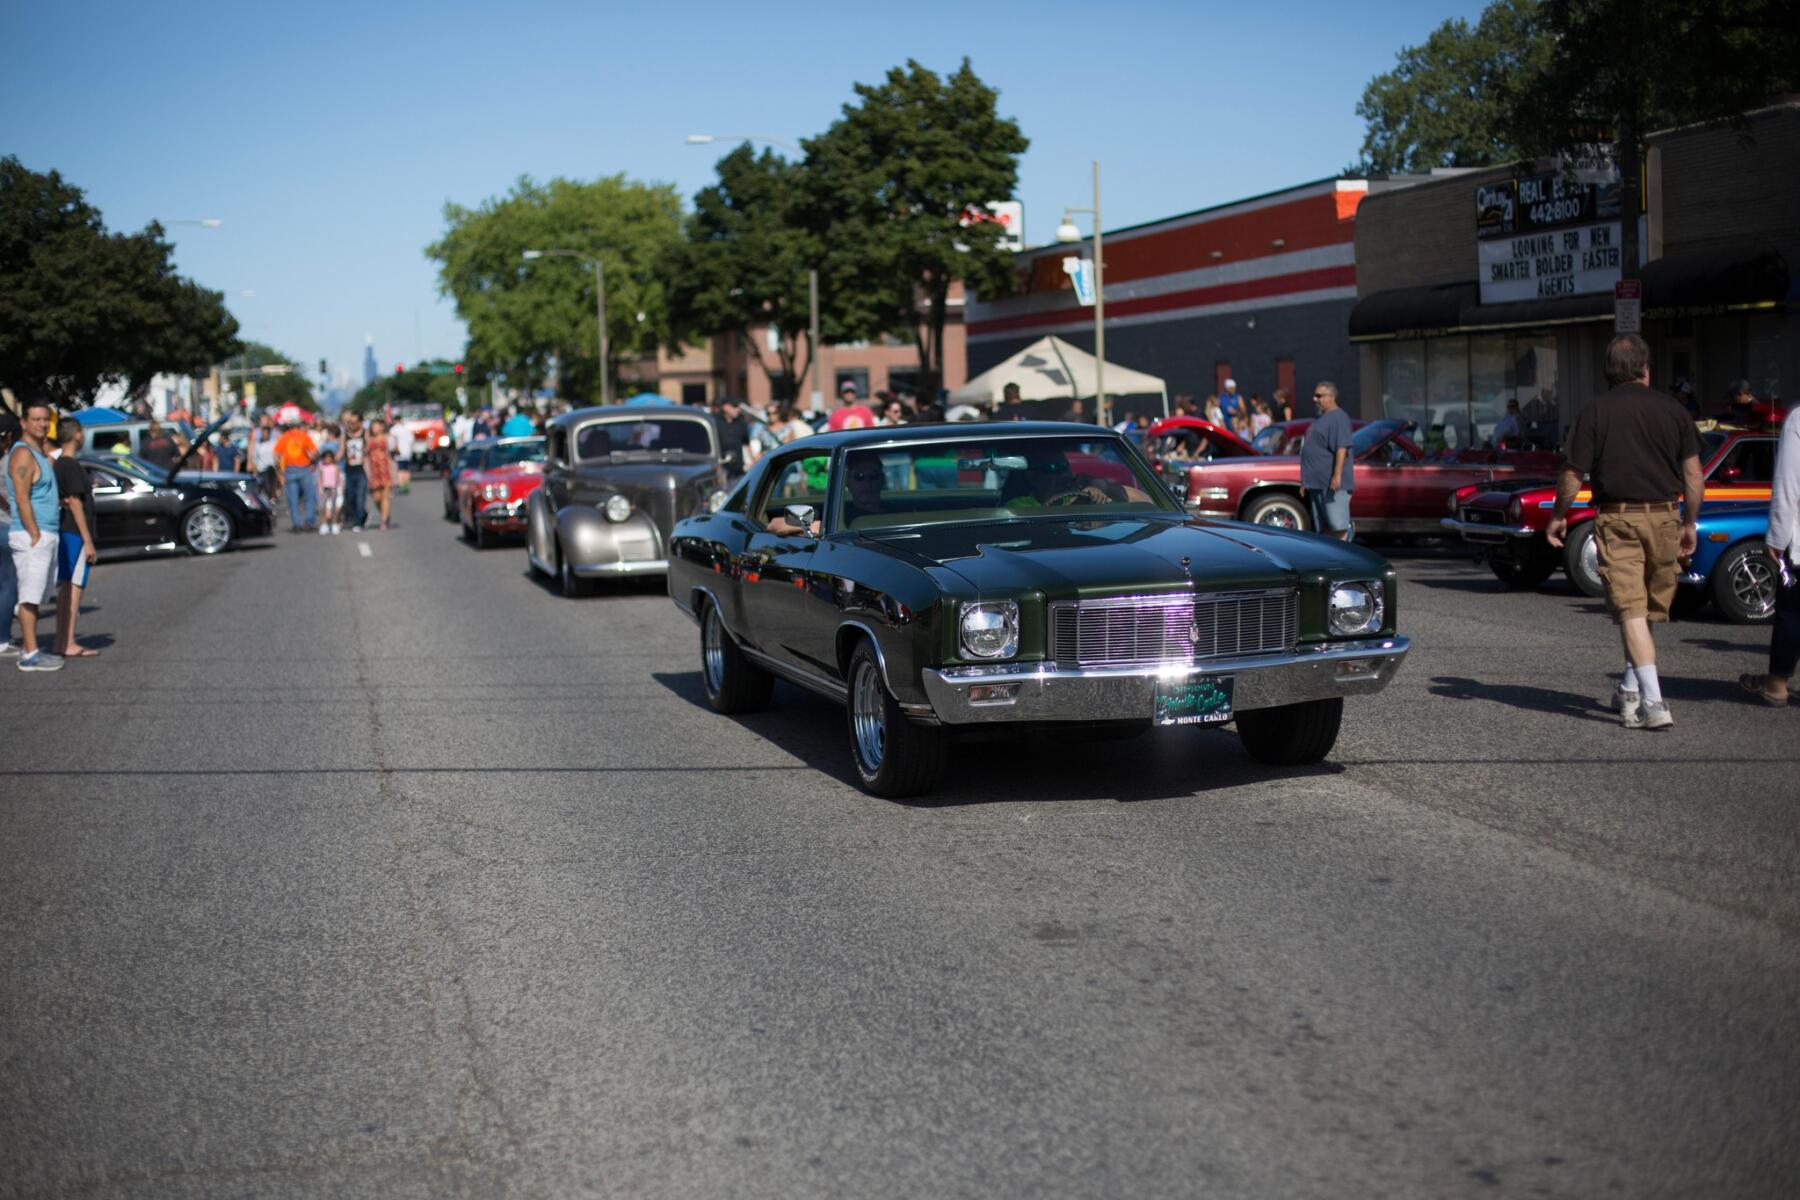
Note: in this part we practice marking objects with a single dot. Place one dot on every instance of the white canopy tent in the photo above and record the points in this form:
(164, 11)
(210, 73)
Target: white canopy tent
(1052, 369)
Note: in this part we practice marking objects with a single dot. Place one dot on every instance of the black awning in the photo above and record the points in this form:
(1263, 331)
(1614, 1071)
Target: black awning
(1716, 277)
(1414, 309)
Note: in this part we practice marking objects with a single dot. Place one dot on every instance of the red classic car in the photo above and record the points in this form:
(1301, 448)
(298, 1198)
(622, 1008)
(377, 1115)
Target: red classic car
(1506, 522)
(1174, 444)
(1397, 488)
(493, 501)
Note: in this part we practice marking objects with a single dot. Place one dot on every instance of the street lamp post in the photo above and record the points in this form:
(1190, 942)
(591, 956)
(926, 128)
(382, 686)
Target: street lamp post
(815, 399)
(1067, 232)
(599, 308)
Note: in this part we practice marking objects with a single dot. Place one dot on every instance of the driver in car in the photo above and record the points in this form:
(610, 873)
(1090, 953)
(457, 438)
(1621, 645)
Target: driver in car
(864, 479)
(1051, 481)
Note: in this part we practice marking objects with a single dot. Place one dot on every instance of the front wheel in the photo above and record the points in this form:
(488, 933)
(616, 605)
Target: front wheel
(1743, 585)
(573, 585)
(1581, 560)
(207, 529)
(734, 684)
(1280, 510)
(893, 756)
(1291, 735)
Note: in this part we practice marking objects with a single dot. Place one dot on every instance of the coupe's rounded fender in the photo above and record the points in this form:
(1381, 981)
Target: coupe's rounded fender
(590, 540)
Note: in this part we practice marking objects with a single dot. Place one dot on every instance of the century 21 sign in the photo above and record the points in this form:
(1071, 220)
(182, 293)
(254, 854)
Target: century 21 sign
(1541, 237)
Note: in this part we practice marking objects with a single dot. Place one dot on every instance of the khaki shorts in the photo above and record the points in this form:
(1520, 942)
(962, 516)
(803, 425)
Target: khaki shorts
(1640, 560)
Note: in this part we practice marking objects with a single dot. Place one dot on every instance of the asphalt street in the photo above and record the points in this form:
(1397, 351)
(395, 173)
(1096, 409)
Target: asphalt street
(369, 866)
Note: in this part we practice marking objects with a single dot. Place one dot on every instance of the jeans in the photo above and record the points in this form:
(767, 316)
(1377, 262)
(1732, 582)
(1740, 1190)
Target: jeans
(302, 489)
(1784, 640)
(356, 495)
(9, 588)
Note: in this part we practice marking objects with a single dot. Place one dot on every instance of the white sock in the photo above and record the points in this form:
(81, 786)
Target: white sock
(1648, 684)
(1628, 682)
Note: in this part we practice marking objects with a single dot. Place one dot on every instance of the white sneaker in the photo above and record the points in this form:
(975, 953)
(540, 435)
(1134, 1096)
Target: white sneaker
(1627, 705)
(324, 529)
(37, 660)
(1650, 716)
(8, 650)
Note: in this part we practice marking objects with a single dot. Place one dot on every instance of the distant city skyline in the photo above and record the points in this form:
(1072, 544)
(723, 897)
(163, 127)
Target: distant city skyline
(370, 370)
(329, 159)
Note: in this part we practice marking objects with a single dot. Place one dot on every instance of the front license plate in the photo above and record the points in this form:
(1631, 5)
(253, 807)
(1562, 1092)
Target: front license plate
(1202, 701)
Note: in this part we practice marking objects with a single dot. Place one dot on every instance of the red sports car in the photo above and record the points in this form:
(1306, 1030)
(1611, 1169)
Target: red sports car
(1397, 487)
(493, 501)
(1506, 522)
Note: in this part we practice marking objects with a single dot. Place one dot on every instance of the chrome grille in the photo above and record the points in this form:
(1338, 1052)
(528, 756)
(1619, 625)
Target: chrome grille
(1124, 631)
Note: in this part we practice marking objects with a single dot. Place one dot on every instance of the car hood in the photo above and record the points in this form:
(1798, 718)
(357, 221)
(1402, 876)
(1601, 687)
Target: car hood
(225, 477)
(1070, 559)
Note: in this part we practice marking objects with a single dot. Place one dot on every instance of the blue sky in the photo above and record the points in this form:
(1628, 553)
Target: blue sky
(328, 136)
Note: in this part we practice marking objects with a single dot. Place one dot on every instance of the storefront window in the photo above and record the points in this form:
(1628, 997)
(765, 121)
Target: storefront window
(1490, 382)
(1764, 350)
(1403, 382)
(1447, 394)
(1535, 385)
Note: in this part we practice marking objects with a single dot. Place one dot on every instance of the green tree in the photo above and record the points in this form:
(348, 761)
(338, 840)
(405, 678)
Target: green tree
(1449, 102)
(888, 187)
(82, 307)
(523, 315)
(433, 381)
(1621, 69)
(744, 261)
(273, 390)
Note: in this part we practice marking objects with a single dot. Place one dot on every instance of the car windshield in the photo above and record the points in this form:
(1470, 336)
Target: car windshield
(1188, 442)
(662, 437)
(508, 453)
(1373, 434)
(931, 483)
(1269, 440)
(419, 412)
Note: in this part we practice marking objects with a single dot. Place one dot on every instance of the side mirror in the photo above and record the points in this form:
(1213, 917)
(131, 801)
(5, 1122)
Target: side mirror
(802, 515)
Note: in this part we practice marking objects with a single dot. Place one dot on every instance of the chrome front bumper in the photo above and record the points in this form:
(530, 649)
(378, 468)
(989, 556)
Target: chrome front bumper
(648, 566)
(1043, 692)
(1493, 535)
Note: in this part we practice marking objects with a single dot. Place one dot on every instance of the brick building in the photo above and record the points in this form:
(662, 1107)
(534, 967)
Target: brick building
(1259, 290)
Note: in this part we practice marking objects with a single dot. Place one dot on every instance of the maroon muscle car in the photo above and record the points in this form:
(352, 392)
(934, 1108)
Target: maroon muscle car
(1397, 489)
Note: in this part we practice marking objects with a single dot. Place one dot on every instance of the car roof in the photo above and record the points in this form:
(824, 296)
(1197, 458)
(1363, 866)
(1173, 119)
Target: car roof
(581, 416)
(950, 431)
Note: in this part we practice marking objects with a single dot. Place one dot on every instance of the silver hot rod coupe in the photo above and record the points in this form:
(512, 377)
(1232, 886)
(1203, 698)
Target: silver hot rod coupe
(615, 482)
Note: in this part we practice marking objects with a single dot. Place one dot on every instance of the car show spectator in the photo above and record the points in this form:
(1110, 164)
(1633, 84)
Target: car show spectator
(158, 447)
(356, 476)
(75, 543)
(734, 439)
(517, 424)
(31, 495)
(1640, 451)
(331, 493)
(294, 457)
(1327, 476)
(851, 412)
(9, 580)
(1783, 545)
(380, 466)
(262, 459)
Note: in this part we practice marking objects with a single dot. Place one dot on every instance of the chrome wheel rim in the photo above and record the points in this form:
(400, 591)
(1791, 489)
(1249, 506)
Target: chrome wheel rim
(1279, 516)
(1589, 559)
(1753, 583)
(712, 650)
(208, 530)
(868, 718)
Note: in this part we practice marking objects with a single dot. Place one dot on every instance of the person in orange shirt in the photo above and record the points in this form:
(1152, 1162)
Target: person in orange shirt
(294, 455)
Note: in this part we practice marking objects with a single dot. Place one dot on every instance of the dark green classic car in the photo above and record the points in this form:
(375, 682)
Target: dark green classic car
(939, 578)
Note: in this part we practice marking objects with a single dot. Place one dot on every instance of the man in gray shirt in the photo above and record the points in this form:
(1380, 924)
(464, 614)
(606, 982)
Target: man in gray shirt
(1326, 473)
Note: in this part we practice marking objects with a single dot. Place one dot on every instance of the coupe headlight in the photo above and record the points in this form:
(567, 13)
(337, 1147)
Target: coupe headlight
(443, 441)
(990, 629)
(495, 491)
(1356, 608)
(617, 508)
(717, 500)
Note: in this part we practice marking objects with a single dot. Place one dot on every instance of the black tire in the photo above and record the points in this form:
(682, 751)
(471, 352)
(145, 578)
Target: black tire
(733, 683)
(1581, 561)
(1525, 568)
(450, 513)
(483, 539)
(207, 529)
(1744, 584)
(573, 585)
(1281, 510)
(462, 530)
(893, 756)
(1292, 735)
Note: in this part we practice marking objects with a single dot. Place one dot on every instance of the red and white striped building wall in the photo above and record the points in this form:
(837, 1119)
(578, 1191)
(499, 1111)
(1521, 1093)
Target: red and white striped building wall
(1259, 290)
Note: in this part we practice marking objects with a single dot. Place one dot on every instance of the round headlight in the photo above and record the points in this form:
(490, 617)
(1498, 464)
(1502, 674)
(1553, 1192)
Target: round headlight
(618, 508)
(990, 629)
(1355, 608)
(717, 500)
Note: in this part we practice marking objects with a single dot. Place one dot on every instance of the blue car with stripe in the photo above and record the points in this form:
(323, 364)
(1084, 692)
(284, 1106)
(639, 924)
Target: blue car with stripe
(1730, 567)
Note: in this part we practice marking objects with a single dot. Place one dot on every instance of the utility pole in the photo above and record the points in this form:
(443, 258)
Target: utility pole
(815, 400)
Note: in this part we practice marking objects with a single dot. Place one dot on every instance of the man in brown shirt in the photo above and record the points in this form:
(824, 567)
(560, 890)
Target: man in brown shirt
(1642, 456)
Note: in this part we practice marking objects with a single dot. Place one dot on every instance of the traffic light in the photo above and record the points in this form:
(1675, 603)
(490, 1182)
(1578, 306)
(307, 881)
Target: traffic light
(457, 368)
(399, 368)
(322, 368)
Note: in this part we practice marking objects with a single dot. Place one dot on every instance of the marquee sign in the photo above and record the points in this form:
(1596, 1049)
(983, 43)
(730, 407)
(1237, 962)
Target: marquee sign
(1545, 236)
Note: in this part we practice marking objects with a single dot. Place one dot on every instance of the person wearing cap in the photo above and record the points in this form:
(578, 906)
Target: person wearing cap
(294, 455)
(1230, 404)
(851, 413)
